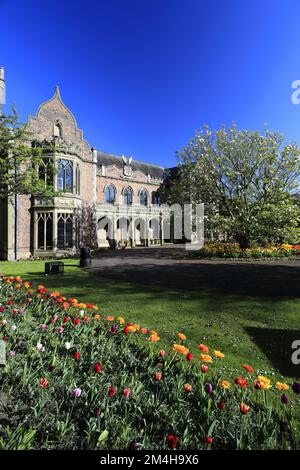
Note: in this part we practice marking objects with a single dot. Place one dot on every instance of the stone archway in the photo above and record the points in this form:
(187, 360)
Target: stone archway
(140, 231)
(154, 229)
(104, 232)
(123, 229)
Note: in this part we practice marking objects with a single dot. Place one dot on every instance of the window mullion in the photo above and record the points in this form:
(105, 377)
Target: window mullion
(45, 231)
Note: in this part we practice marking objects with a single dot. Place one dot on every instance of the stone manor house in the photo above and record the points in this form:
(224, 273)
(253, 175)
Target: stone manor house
(120, 194)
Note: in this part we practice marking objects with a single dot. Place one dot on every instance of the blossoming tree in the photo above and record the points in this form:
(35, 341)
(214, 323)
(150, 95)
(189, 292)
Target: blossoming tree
(246, 180)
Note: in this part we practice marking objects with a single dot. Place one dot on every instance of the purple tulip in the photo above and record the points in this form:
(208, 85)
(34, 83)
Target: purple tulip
(114, 329)
(76, 392)
(21, 312)
(285, 399)
(284, 426)
(296, 388)
(209, 388)
(97, 412)
(12, 353)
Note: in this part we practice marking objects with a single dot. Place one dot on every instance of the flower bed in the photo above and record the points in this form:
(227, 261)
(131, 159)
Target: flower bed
(233, 251)
(76, 379)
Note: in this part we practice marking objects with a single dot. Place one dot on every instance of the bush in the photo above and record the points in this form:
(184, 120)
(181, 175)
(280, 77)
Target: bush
(75, 379)
(233, 251)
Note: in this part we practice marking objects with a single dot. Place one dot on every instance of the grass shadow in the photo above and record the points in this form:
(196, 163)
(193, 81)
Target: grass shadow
(276, 344)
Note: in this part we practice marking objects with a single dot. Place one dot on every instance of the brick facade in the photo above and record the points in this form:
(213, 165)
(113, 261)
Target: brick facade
(31, 227)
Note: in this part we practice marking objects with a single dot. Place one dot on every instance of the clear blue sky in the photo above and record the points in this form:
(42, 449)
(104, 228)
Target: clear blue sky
(141, 76)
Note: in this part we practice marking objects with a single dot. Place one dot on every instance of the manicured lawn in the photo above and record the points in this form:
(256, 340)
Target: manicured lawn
(247, 328)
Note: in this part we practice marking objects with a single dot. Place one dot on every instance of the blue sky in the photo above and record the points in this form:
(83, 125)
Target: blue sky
(141, 76)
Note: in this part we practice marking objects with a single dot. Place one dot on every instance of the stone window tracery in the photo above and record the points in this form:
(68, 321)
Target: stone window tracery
(65, 176)
(64, 231)
(110, 194)
(144, 197)
(44, 230)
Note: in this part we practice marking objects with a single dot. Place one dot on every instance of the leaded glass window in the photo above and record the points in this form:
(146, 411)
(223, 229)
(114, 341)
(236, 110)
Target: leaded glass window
(127, 196)
(45, 230)
(110, 194)
(143, 197)
(65, 176)
(64, 231)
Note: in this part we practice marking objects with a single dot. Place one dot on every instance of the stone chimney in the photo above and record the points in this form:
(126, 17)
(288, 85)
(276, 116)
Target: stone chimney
(2, 89)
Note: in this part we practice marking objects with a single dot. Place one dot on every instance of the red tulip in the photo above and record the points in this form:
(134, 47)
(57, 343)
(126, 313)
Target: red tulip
(76, 355)
(172, 441)
(244, 409)
(98, 368)
(111, 391)
(209, 440)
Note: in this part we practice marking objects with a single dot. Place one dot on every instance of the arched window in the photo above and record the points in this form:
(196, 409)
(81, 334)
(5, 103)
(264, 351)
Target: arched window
(110, 194)
(57, 129)
(46, 171)
(64, 231)
(127, 196)
(143, 197)
(65, 176)
(155, 197)
(77, 179)
(45, 231)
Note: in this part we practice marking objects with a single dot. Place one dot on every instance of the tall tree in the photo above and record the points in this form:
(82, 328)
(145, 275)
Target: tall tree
(21, 166)
(246, 180)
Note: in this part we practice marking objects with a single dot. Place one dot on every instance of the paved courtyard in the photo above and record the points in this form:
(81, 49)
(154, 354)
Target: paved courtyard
(166, 267)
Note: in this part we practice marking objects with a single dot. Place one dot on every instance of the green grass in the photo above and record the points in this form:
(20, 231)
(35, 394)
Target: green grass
(246, 328)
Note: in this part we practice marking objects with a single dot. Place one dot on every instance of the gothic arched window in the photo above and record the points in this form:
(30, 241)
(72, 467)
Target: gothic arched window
(77, 179)
(65, 176)
(127, 196)
(64, 231)
(143, 197)
(155, 197)
(46, 171)
(44, 231)
(110, 194)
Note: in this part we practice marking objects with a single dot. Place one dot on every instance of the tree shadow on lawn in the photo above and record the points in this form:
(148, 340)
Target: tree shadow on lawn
(250, 279)
(104, 286)
(215, 310)
(276, 344)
